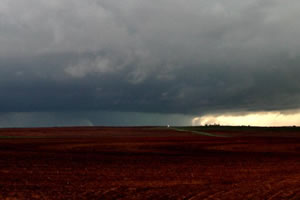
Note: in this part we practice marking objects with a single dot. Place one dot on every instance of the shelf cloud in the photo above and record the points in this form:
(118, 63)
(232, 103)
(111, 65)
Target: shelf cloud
(186, 57)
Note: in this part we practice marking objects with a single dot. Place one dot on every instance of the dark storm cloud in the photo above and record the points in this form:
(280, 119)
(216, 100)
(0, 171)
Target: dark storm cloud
(190, 57)
(90, 118)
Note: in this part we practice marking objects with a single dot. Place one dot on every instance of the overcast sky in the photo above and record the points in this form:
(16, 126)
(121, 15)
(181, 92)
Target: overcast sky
(189, 58)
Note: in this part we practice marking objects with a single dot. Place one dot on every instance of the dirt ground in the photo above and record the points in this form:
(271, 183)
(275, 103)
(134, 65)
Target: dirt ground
(145, 163)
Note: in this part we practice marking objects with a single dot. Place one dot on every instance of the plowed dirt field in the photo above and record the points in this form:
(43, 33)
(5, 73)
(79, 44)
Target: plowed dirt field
(146, 163)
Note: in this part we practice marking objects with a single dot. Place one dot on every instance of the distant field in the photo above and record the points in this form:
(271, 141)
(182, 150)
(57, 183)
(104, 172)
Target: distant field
(150, 163)
(245, 131)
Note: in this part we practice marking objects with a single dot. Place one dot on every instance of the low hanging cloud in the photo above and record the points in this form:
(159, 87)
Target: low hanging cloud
(195, 57)
(90, 118)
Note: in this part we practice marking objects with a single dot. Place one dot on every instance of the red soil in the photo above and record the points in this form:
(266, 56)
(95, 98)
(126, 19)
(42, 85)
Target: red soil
(255, 133)
(146, 163)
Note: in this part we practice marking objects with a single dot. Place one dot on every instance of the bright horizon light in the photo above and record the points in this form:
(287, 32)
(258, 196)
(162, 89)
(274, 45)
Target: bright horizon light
(274, 118)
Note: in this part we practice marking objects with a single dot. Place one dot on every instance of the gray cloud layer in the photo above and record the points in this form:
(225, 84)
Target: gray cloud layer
(90, 118)
(168, 56)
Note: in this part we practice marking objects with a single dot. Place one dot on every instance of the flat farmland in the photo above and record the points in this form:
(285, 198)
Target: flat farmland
(149, 163)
